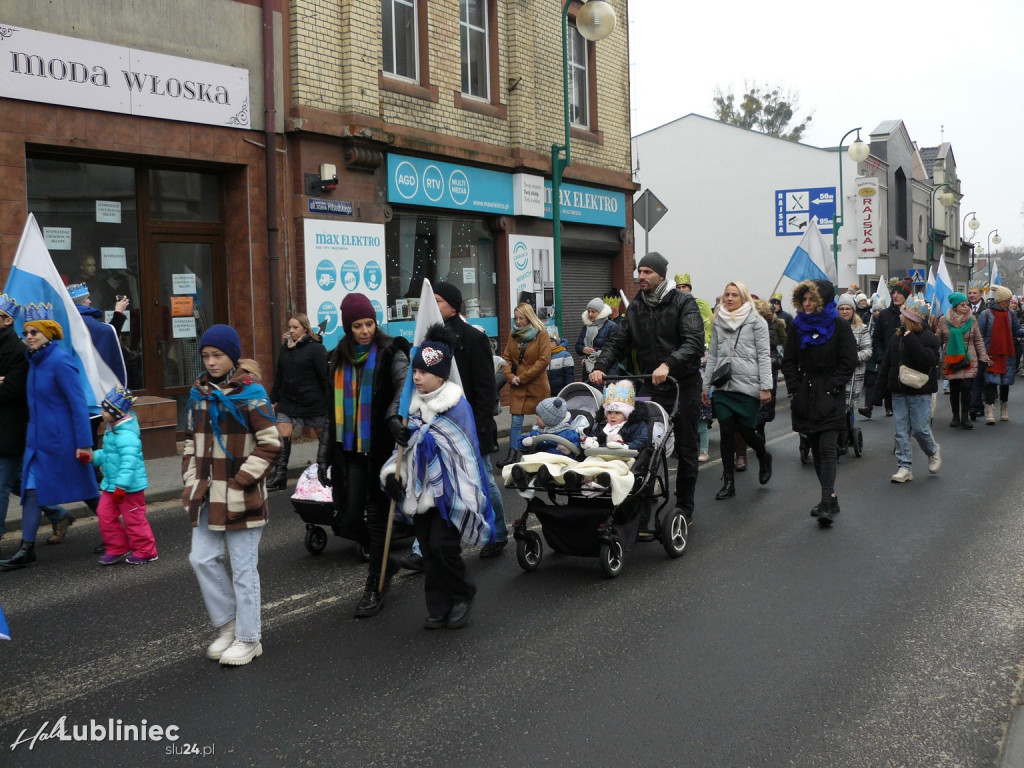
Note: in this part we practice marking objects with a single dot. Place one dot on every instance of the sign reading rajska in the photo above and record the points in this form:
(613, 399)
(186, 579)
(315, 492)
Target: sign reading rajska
(54, 69)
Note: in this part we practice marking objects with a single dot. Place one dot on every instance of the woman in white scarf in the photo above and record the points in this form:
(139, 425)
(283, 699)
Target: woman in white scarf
(739, 337)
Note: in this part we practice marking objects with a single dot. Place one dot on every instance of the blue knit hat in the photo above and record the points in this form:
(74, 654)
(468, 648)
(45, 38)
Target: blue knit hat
(225, 338)
(9, 306)
(118, 402)
(79, 292)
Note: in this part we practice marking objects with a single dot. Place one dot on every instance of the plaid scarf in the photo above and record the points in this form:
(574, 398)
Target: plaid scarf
(353, 394)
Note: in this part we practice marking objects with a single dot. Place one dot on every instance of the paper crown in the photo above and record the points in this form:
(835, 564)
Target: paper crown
(683, 278)
(35, 312)
(917, 307)
(981, 285)
(9, 306)
(78, 291)
(777, 296)
(620, 392)
(118, 401)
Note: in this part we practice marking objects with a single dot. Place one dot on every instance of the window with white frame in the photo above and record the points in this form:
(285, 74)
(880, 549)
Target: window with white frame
(475, 52)
(398, 38)
(579, 87)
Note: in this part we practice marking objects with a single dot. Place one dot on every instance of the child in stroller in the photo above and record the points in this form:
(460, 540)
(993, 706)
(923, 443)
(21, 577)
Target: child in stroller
(553, 418)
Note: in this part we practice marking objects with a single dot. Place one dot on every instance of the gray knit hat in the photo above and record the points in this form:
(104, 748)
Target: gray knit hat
(552, 411)
(846, 300)
(597, 304)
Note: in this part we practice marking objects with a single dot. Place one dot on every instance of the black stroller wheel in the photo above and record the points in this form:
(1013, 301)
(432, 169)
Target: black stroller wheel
(611, 558)
(674, 534)
(316, 539)
(858, 442)
(529, 551)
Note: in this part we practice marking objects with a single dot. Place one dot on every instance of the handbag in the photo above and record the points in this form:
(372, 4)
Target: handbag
(723, 373)
(912, 378)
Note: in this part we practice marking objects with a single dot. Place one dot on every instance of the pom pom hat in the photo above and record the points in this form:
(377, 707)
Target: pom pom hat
(435, 353)
(552, 411)
(620, 396)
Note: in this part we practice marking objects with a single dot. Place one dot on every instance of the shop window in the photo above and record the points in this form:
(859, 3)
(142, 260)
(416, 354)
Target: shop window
(184, 196)
(88, 214)
(460, 251)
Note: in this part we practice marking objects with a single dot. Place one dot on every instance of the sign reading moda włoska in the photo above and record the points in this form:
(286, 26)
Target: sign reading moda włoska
(431, 183)
(341, 258)
(54, 69)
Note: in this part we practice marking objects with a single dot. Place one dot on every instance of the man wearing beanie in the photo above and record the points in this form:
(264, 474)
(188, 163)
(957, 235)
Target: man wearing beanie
(231, 444)
(437, 482)
(104, 337)
(664, 328)
(882, 332)
(474, 359)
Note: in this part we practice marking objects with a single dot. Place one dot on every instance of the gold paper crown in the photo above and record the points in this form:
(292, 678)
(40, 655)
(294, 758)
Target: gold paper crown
(683, 278)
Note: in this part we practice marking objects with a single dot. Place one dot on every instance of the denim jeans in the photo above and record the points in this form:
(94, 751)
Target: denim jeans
(515, 431)
(497, 504)
(10, 482)
(228, 597)
(911, 417)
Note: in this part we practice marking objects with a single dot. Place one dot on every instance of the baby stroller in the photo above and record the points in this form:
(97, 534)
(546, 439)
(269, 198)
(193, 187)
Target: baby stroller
(604, 523)
(314, 505)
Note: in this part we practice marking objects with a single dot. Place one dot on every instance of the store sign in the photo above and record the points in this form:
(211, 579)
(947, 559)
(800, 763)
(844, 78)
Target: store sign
(794, 209)
(54, 69)
(342, 257)
(528, 266)
(337, 207)
(867, 217)
(530, 195)
(415, 181)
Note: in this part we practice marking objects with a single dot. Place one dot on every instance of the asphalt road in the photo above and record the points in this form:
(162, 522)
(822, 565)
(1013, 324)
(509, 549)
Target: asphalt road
(893, 639)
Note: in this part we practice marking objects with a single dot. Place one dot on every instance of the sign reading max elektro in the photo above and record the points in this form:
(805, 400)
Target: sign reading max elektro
(54, 69)
(794, 209)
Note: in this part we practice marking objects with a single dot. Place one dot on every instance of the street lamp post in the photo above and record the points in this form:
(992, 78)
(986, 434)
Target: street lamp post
(859, 152)
(595, 20)
(973, 225)
(988, 249)
(947, 198)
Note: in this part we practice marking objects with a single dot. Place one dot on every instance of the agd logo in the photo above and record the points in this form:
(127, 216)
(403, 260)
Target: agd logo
(325, 275)
(407, 180)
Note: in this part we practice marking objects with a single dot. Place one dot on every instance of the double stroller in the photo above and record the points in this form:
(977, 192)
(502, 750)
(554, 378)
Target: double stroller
(589, 520)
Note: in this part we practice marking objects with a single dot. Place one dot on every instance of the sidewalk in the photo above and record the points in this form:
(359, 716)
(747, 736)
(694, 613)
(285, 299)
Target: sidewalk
(165, 475)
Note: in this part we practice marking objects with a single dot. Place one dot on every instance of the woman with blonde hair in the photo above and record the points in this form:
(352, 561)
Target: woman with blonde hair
(739, 339)
(526, 356)
(846, 308)
(299, 393)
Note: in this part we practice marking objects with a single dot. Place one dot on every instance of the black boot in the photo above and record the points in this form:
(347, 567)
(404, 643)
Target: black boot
(279, 480)
(826, 509)
(728, 487)
(764, 468)
(372, 600)
(25, 555)
(510, 458)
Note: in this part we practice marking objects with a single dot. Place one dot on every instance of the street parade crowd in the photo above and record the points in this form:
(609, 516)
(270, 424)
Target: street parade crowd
(422, 463)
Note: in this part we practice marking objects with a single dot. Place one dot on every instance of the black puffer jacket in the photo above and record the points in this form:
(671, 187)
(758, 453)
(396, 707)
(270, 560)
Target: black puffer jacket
(13, 401)
(816, 375)
(300, 380)
(919, 351)
(670, 333)
(475, 360)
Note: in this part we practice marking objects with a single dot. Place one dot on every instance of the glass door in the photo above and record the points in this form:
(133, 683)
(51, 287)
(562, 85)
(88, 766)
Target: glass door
(185, 304)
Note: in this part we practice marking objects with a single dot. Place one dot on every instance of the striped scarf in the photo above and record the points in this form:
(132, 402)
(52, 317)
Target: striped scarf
(956, 347)
(353, 394)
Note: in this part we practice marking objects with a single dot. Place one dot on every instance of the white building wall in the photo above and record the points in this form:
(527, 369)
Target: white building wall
(718, 183)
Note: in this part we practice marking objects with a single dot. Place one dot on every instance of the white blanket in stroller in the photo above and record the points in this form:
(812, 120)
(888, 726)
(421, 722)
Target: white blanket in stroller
(618, 470)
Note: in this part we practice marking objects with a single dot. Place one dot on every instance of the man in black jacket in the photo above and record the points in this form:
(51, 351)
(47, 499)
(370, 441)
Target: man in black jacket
(665, 329)
(14, 418)
(476, 369)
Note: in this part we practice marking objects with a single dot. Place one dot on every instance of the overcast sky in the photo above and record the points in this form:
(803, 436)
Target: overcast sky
(950, 70)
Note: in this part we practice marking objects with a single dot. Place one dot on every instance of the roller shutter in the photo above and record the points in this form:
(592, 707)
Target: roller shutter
(584, 276)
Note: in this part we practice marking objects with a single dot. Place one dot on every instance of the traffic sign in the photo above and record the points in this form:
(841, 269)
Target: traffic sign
(917, 276)
(648, 210)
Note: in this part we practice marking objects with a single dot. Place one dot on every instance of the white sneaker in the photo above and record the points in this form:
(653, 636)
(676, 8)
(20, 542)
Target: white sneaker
(935, 461)
(224, 640)
(902, 475)
(703, 457)
(241, 653)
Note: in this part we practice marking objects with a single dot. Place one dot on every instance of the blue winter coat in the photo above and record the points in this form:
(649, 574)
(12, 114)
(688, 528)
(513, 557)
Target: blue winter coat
(561, 369)
(58, 424)
(121, 457)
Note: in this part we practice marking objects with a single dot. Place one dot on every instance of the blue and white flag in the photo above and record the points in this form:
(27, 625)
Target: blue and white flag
(997, 278)
(809, 261)
(5, 631)
(35, 280)
(929, 290)
(943, 289)
(882, 291)
(427, 315)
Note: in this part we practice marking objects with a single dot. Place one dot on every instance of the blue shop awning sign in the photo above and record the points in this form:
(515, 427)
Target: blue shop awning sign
(435, 184)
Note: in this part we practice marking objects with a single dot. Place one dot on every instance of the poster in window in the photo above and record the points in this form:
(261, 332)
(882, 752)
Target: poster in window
(113, 258)
(183, 327)
(108, 212)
